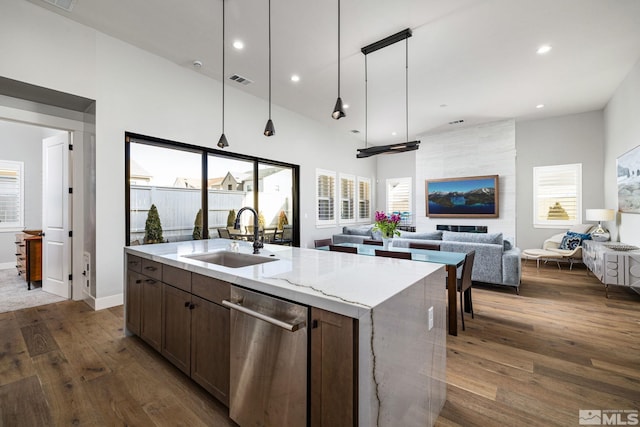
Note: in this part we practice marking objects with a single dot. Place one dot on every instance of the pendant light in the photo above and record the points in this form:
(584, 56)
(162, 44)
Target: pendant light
(391, 148)
(338, 110)
(222, 142)
(269, 130)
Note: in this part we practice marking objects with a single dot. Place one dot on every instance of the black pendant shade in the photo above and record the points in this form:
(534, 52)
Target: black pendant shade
(269, 130)
(222, 142)
(338, 111)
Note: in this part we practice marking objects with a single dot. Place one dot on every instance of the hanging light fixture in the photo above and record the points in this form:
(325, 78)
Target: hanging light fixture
(338, 110)
(391, 148)
(269, 130)
(222, 142)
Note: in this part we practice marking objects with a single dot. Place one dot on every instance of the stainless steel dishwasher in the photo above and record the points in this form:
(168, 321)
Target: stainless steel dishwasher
(268, 378)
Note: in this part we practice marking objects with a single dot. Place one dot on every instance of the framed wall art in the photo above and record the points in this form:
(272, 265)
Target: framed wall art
(628, 178)
(465, 197)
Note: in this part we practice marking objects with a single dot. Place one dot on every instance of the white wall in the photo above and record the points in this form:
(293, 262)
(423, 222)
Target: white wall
(622, 133)
(139, 92)
(488, 149)
(576, 138)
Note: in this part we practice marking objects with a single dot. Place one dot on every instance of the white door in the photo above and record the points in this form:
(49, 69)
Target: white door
(56, 243)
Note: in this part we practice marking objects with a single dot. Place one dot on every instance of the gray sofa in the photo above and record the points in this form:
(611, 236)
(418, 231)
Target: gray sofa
(497, 260)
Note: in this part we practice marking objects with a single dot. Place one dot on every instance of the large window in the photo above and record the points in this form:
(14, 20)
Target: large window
(364, 199)
(347, 198)
(11, 195)
(557, 196)
(197, 192)
(325, 197)
(399, 196)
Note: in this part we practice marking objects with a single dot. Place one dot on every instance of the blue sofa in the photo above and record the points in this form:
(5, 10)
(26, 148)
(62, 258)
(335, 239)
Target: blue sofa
(497, 260)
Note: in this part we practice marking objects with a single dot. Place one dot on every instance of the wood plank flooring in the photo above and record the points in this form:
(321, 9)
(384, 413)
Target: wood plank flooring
(533, 359)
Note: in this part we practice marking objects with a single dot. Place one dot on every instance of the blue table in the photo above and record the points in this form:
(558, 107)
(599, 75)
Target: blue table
(452, 260)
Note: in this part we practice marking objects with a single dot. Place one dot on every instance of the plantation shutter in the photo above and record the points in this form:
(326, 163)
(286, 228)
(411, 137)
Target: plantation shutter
(325, 197)
(11, 195)
(557, 192)
(399, 195)
(347, 198)
(364, 199)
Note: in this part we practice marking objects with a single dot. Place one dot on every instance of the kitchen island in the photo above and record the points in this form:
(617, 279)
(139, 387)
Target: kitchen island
(395, 333)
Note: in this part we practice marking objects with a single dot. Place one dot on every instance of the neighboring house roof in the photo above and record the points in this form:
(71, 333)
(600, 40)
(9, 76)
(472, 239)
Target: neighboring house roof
(138, 172)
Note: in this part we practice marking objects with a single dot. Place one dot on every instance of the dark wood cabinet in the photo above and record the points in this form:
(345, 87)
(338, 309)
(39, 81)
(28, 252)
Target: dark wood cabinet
(176, 327)
(151, 312)
(132, 303)
(29, 257)
(334, 369)
(210, 347)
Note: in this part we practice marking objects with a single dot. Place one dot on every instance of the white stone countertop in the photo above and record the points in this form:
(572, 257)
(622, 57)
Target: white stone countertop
(346, 284)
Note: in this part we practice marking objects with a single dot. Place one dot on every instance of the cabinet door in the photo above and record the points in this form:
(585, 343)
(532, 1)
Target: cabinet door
(151, 312)
(176, 327)
(334, 350)
(132, 304)
(210, 348)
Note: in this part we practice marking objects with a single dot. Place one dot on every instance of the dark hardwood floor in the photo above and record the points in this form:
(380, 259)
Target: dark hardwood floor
(533, 359)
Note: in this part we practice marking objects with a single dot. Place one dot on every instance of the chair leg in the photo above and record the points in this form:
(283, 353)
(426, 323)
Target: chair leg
(462, 310)
(471, 303)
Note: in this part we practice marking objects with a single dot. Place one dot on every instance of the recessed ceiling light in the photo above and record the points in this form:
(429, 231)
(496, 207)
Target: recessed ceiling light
(443, 105)
(545, 48)
(539, 106)
(345, 106)
(197, 64)
(295, 78)
(394, 133)
(238, 44)
(353, 130)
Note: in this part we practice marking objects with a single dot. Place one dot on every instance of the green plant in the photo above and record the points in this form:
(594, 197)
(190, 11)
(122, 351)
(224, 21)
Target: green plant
(261, 221)
(153, 227)
(282, 220)
(231, 218)
(197, 226)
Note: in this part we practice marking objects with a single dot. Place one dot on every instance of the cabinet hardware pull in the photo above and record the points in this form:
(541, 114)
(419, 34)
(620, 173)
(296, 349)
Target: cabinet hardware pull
(260, 316)
(186, 303)
(192, 306)
(150, 268)
(150, 281)
(138, 281)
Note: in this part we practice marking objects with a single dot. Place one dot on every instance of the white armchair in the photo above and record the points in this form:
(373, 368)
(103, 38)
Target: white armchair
(571, 255)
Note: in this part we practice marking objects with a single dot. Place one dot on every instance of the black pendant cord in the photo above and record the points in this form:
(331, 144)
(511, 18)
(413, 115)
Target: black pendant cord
(366, 105)
(406, 85)
(338, 48)
(223, 45)
(269, 59)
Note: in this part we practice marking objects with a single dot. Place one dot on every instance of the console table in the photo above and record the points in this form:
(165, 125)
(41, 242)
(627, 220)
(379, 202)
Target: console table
(612, 267)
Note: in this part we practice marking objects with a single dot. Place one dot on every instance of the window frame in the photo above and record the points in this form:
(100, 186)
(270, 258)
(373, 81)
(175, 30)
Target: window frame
(360, 180)
(326, 222)
(409, 183)
(353, 199)
(538, 173)
(16, 166)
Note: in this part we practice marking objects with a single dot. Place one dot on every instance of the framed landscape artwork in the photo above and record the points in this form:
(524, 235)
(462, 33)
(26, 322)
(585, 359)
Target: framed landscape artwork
(628, 173)
(466, 197)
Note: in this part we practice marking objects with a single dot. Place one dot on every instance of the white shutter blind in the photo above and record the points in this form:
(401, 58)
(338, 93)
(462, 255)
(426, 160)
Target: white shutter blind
(347, 198)
(364, 199)
(557, 192)
(399, 195)
(326, 194)
(11, 194)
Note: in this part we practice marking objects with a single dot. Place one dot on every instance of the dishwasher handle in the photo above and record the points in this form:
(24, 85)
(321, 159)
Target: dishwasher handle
(284, 325)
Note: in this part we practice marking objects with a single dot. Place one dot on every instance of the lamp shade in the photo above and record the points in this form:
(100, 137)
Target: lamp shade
(600, 214)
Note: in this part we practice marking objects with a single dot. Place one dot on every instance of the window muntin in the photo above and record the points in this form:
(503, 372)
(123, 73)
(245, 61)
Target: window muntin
(399, 196)
(11, 195)
(347, 198)
(364, 199)
(325, 197)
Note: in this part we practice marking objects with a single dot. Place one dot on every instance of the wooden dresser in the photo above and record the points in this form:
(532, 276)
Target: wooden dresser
(29, 257)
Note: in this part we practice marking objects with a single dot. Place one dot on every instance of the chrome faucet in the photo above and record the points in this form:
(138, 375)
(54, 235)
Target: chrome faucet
(257, 244)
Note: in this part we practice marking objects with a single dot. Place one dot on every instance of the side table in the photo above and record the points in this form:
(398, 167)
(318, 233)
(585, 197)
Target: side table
(610, 266)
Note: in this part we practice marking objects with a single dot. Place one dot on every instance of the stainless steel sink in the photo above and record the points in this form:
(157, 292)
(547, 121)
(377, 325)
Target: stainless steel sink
(231, 259)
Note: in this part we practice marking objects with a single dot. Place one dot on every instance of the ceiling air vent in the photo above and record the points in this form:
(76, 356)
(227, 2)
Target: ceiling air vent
(62, 4)
(457, 122)
(239, 79)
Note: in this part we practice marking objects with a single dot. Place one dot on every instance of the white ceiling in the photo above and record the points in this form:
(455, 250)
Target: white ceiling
(477, 57)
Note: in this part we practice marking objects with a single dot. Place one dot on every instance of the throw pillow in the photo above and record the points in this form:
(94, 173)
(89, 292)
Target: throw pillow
(570, 242)
(583, 236)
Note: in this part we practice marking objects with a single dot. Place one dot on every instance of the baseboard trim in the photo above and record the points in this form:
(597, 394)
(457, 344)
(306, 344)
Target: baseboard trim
(7, 265)
(104, 302)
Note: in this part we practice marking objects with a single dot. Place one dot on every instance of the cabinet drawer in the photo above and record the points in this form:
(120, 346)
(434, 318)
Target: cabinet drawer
(134, 263)
(176, 277)
(152, 269)
(209, 288)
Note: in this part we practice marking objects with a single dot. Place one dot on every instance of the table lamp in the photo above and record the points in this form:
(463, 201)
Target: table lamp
(600, 234)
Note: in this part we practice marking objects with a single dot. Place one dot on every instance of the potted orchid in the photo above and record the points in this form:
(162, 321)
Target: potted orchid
(387, 224)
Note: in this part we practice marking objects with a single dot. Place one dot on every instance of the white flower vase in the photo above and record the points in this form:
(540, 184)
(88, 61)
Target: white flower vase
(387, 242)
